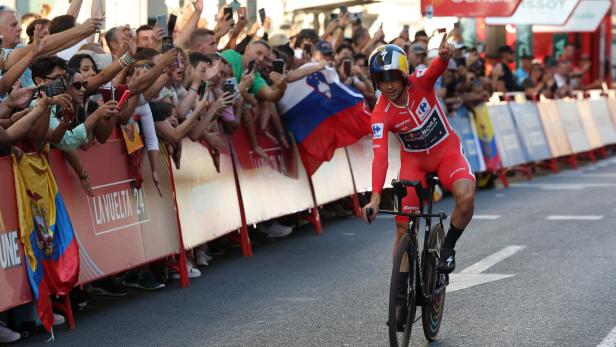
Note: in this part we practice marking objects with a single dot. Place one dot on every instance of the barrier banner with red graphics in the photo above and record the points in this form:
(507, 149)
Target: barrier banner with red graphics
(14, 284)
(568, 111)
(555, 131)
(268, 189)
(360, 156)
(333, 180)
(469, 8)
(207, 199)
(135, 226)
(589, 124)
(160, 233)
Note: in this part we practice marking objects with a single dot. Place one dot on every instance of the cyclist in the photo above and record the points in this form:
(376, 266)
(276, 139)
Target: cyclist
(409, 108)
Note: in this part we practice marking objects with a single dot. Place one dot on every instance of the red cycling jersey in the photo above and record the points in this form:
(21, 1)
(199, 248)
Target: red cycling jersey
(428, 144)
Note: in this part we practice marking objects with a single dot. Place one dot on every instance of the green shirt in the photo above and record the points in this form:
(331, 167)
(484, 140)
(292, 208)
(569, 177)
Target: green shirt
(235, 59)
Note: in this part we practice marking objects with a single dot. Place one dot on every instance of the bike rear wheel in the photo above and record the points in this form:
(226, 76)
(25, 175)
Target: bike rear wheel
(405, 258)
(432, 312)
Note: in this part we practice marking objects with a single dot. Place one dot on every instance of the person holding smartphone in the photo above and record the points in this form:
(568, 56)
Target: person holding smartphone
(243, 67)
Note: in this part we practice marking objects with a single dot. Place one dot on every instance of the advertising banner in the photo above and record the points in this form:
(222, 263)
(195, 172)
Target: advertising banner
(535, 12)
(333, 180)
(555, 131)
(487, 140)
(585, 18)
(207, 199)
(588, 121)
(361, 154)
(570, 116)
(526, 118)
(464, 125)
(14, 284)
(468, 8)
(267, 185)
(601, 114)
(507, 141)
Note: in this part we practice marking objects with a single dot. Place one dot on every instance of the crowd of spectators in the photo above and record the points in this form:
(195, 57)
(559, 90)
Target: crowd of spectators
(60, 86)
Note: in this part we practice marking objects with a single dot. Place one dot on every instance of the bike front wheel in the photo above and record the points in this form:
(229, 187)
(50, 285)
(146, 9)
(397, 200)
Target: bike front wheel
(402, 292)
(432, 312)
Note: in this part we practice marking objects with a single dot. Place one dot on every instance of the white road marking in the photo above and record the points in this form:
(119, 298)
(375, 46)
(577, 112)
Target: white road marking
(572, 217)
(492, 260)
(609, 340)
(385, 216)
(563, 186)
(348, 234)
(472, 276)
(486, 216)
(499, 195)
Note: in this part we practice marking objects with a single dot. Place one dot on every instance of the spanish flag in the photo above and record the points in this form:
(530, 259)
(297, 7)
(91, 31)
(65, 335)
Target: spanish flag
(50, 246)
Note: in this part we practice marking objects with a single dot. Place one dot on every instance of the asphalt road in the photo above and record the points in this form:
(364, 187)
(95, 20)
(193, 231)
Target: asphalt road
(331, 290)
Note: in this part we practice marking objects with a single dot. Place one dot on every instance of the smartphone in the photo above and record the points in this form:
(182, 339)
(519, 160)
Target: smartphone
(442, 30)
(228, 13)
(278, 66)
(347, 67)
(308, 48)
(265, 36)
(113, 93)
(228, 87)
(56, 87)
(262, 15)
(333, 16)
(251, 66)
(161, 22)
(201, 90)
(123, 99)
(171, 25)
(167, 44)
(343, 9)
(405, 28)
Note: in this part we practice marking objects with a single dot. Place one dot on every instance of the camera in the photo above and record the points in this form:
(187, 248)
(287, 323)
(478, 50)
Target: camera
(55, 87)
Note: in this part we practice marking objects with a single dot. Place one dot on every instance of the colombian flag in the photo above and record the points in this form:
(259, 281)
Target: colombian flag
(50, 247)
(323, 115)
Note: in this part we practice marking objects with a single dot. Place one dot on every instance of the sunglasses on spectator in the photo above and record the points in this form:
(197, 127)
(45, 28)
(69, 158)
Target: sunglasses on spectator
(79, 84)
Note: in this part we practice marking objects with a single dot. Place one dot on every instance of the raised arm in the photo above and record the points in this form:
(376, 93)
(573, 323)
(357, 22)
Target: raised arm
(75, 7)
(276, 91)
(191, 25)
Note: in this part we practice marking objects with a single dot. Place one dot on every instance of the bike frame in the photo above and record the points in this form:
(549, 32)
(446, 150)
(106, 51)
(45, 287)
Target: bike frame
(414, 219)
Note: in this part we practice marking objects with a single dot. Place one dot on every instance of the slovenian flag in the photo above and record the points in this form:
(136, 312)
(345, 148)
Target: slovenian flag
(47, 235)
(323, 115)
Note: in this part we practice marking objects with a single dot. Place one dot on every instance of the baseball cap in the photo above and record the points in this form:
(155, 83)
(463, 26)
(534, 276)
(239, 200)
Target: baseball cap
(418, 49)
(278, 40)
(459, 45)
(324, 47)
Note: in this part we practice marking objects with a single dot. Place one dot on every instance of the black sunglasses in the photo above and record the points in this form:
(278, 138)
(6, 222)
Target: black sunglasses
(79, 84)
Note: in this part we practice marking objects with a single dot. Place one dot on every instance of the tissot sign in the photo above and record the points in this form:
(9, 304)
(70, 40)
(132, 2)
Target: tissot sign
(547, 12)
(469, 8)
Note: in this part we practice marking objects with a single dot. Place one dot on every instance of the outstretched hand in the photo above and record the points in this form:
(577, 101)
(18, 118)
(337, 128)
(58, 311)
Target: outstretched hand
(445, 50)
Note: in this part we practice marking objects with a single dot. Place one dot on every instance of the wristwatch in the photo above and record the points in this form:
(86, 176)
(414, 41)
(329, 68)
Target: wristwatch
(83, 175)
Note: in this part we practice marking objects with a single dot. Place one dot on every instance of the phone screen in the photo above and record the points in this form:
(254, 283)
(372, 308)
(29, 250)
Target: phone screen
(171, 26)
(278, 65)
(333, 16)
(251, 66)
(228, 12)
(347, 67)
(262, 15)
(167, 44)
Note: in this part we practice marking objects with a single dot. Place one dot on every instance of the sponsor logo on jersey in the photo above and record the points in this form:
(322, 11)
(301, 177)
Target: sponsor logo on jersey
(420, 72)
(423, 109)
(377, 130)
